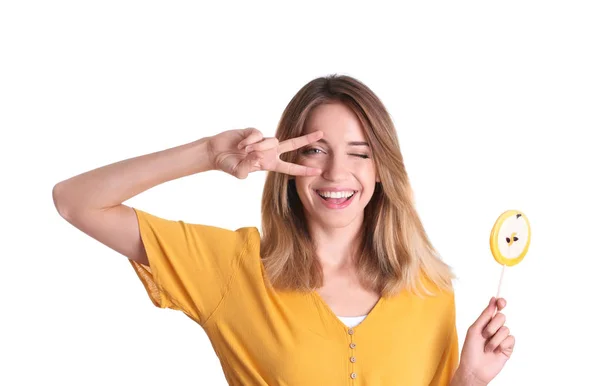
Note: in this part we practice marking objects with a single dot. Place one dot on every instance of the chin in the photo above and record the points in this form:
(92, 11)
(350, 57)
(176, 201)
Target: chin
(334, 221)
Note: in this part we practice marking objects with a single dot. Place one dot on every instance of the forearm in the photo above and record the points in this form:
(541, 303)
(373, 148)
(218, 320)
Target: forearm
(463, 377)
(115, 183)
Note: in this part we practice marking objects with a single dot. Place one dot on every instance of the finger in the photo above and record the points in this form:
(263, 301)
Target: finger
(506, 346)
(265, 144)
(501, 303)
(242, 170)
(251, 135)
(249, 164)
(497, 321)
(296, 170)
(298, 142)
(485, 316)
(498, 338)
(255, 156)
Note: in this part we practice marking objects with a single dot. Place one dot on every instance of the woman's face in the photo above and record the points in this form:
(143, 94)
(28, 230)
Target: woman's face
(338, 196)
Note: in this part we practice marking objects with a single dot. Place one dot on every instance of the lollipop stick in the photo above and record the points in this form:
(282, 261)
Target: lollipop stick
(502, 274)
(500, 283)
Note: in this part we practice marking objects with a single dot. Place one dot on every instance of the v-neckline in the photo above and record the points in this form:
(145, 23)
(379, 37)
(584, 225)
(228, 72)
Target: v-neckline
(370, 315)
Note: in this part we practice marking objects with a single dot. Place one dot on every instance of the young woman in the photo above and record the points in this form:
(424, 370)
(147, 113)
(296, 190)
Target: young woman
(342, 287)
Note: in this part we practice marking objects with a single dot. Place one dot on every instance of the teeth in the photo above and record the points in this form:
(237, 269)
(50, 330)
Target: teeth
(336, 194)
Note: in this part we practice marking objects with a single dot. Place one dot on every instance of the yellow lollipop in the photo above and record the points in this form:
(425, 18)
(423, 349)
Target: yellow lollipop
(509, 240)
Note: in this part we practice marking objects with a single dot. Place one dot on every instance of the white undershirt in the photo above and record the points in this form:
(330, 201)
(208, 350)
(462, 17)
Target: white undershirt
(352, 321)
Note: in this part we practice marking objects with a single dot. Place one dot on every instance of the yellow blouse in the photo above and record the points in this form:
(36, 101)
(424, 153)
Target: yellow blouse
(264, 336)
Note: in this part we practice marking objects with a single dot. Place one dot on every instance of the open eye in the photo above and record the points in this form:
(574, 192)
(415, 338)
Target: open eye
(311, 150)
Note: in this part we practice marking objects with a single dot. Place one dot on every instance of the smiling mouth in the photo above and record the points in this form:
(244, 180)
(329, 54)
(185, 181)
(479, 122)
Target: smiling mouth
(336, 196)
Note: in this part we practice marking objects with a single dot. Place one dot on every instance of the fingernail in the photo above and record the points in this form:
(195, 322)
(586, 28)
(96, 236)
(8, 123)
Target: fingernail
(249, 148)
(492, 300)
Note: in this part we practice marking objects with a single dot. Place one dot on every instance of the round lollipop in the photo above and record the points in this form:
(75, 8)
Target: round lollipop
(509, 240)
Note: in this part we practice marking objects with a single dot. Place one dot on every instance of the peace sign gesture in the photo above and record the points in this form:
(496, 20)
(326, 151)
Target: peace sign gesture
(241, 152)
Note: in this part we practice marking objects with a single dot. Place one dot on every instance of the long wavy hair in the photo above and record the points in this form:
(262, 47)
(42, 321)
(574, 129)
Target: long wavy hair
(395, 252)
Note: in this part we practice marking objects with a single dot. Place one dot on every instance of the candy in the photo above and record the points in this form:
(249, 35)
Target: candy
(510, 237)
(509, 240)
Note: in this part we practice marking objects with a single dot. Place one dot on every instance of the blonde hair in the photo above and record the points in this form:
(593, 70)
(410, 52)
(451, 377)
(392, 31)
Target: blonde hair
(395, 252)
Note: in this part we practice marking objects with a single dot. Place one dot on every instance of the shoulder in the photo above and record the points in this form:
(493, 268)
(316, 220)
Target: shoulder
(440, 300)
(249, 237)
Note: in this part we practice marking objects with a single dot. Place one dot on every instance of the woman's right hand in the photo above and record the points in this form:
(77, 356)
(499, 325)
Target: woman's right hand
(241, 152)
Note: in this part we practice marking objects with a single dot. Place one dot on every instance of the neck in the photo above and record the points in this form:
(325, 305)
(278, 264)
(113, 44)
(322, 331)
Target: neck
(336, 247)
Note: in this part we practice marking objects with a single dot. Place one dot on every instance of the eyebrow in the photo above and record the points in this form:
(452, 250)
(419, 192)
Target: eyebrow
(352, 143)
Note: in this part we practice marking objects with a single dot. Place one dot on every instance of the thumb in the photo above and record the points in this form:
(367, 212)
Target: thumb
(485, 316)
(251, 135)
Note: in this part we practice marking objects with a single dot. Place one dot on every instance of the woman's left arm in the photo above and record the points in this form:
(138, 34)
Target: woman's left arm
(487, 347)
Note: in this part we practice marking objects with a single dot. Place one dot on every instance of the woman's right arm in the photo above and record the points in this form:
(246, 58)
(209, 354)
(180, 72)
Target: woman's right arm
(92, 201)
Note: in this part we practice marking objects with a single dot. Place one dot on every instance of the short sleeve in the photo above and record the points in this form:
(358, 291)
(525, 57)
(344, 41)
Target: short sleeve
(450, 357)
(190, 265)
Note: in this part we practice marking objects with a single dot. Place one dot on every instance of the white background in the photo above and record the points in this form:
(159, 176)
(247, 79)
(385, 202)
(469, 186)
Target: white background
(496, 106)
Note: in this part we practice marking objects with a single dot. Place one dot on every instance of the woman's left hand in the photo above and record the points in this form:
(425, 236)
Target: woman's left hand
(487, 346)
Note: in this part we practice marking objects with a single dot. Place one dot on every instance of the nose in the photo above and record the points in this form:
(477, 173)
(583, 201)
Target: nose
(335, 169)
